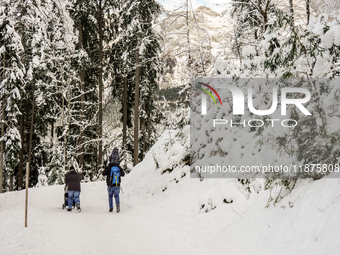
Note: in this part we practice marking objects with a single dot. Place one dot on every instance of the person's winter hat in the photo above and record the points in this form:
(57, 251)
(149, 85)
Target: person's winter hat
(114, 158)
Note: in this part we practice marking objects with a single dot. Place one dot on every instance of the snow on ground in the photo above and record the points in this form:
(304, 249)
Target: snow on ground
(137, 229)
(170, 222)
(164, 211)
(305, 222)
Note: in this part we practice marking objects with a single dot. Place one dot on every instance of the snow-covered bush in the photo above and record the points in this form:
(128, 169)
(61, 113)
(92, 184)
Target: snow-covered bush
(286, 50)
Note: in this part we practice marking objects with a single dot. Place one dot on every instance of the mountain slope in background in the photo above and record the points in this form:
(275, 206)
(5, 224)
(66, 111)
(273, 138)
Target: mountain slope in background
(210, 38)
(208, 33)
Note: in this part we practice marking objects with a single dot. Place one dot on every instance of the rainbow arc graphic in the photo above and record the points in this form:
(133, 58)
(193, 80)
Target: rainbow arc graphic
(208, 92)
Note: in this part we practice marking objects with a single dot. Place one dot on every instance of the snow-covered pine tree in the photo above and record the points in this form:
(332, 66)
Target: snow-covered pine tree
(121, 81)
(135, 32)
(150, 72)
(49, 51)
(311, 53)
(315, 58)
(258, 25)
(52, 87)
(297, 52)
(12, 82)
(86, 17)
(85, 25)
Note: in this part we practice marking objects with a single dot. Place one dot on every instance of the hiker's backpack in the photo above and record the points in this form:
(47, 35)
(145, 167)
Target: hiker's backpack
(115, 176)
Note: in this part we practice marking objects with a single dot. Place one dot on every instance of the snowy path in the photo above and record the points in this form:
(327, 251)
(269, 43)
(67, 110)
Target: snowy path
(140, 227)
(306, 221)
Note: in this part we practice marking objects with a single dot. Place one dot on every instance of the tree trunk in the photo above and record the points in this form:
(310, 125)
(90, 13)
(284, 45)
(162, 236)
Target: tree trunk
(11, 182)
(237, 45)
(82, 102)
(143, 132)
(63, 125)
(100, 114)
(308, 11)
(2, 130)
(188, 35)
(265, 15)
(136, 121)
(2, 142)
(68, 120)
(31, 130)
(124, 112)
(52, 131)
(291, 11)
(21, 153)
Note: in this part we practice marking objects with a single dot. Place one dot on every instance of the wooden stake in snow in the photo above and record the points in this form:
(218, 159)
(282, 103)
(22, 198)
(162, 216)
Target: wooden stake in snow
(27, 183)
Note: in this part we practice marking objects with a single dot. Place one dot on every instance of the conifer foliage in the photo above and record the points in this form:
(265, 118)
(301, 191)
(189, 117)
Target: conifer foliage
(136, 34)
(273, 41)
(56, 58)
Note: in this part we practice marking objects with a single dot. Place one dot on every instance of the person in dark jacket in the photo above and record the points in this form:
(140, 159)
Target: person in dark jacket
(113, 174)
(72, 180)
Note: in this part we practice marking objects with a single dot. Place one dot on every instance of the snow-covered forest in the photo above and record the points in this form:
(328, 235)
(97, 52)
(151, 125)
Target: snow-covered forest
(79, 78)
(68, 87)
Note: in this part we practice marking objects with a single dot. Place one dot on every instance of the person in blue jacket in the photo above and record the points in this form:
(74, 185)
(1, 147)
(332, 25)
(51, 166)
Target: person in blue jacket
(113, 174)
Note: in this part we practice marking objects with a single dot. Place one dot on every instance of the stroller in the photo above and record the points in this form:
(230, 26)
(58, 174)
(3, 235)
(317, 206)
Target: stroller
(65, 204)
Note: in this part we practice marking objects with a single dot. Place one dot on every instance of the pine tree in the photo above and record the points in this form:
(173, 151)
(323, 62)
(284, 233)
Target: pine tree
(12, 82)
(86, 17)
(314, 58)
(135, 33)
